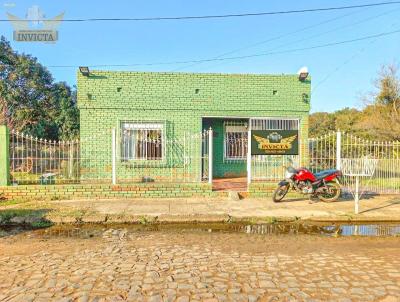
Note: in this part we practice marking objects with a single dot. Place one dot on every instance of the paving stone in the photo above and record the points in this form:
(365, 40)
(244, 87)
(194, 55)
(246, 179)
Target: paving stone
(266, 284)
(182, 299)
(121, 270)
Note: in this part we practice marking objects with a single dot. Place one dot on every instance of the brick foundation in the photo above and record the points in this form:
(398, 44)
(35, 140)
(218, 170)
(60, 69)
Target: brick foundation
(139, 190)
(76, 191)
(261, 189)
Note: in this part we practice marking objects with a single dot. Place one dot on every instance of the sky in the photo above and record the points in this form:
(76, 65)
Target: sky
(340, 74)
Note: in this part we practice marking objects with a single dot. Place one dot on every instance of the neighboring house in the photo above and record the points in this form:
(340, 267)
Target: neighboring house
(158, 114)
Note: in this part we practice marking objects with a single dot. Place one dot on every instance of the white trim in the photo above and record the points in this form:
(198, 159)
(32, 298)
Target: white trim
(210, 155)
(300, 155)
(114, 155)
(338, 150)
(249, 155)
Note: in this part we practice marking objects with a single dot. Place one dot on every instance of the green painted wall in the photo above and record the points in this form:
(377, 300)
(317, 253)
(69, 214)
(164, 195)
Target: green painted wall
(181, 100)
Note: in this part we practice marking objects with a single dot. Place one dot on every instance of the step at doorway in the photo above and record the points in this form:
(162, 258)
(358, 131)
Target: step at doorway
(238, 184)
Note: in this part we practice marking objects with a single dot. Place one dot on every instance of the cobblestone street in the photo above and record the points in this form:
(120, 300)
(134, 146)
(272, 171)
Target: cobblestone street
(163, 266)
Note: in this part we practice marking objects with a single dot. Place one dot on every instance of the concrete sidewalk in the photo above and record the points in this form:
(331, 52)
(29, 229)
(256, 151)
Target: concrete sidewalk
(378, 208)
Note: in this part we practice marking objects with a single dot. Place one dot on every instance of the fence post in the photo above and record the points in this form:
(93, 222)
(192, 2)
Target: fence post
(356, 196)
(338, 150)
(249, 154)
(114, 155)
(210, 156)
(4, 156)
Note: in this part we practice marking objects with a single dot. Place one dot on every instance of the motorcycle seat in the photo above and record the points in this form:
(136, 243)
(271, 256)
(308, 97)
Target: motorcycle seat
(325, 173)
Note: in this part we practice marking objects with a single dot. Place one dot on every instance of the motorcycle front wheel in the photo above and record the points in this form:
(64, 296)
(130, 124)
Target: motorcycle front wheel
(279, 193)
(332, 193)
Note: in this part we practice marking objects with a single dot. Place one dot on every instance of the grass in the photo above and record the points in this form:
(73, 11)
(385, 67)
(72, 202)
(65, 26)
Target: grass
(384, 183)
(143, 220)
(392, 183)
(41, 224)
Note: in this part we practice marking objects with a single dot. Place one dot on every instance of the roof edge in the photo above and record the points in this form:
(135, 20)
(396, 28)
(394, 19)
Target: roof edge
(193, 73)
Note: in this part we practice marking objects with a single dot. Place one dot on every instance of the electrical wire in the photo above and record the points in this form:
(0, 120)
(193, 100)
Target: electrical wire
(309, 10)
(240, 57)
(346, 62)
(311, 37)
(271, 39)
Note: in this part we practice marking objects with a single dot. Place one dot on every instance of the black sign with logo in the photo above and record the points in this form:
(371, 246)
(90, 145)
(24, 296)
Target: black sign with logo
(274, 142)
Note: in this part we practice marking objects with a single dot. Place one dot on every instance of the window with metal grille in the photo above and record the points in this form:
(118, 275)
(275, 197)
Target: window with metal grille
(274, 124)
(235, 146)
(142, 141)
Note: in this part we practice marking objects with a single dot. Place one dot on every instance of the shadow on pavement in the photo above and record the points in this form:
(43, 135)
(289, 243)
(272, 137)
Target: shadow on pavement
(391, 202)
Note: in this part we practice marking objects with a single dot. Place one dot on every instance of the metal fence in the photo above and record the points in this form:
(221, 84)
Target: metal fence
(152, 157)
(105, 157)
(34, 160)
(386, 176)
(330, 150)
(41, 161)
(149, 155)
(322, 153)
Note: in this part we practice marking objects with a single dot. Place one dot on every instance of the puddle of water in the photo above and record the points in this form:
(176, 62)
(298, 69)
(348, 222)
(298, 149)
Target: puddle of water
(320, 229)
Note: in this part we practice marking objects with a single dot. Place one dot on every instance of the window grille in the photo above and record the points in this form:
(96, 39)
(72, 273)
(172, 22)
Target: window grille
(142, 141)
(235, 140)
(274, 124)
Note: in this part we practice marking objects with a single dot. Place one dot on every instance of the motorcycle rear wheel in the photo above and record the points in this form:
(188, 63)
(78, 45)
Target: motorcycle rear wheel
(334, 192)
(279, 193)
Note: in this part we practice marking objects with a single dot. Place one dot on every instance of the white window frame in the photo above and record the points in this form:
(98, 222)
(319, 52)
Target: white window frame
(143, 126)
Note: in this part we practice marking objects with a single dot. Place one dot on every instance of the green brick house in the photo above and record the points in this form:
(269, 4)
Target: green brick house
(160, 119)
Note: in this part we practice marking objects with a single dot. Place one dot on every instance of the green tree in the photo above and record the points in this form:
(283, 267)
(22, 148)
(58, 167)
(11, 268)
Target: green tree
(321, 123)
(30, 100)
(66, 115)
(345, 120)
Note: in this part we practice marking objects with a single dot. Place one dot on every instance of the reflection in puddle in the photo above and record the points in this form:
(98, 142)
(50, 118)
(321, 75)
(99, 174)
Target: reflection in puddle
(320, 229)
(329, 230)
(371, 230)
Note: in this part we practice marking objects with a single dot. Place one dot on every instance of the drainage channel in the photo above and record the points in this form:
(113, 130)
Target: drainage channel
(293, 229)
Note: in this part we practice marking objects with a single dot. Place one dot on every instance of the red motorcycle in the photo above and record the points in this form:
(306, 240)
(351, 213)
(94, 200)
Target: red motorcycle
(324, 185)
